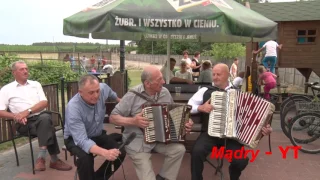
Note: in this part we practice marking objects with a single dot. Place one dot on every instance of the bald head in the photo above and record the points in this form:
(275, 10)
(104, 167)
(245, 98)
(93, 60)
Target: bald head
(152, 80)
(147, 73)
(223, 67)
(220, 75)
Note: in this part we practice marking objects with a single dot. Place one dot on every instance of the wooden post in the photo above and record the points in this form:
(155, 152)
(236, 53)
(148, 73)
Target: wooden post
(254, 68)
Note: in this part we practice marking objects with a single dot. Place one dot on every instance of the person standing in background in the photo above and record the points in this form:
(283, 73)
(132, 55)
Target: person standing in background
(187, 60)
(234, 69)
(195, 64)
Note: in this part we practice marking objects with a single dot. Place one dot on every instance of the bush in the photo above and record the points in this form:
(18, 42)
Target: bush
(5, 71)
(51, 72)
(48, 72)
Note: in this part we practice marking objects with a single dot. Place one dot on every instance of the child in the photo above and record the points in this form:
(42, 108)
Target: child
(183, 73)
(269, 81)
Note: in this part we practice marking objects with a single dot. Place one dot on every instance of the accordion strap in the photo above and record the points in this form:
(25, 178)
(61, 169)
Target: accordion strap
(144, 96)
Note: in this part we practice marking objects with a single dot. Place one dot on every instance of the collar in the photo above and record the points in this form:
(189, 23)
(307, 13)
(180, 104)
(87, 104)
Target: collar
(227, 88)
(88, 105)
(155, 96)
(16, 84)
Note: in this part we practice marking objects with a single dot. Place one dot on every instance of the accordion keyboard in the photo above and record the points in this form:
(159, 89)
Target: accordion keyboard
(154, 115)
(218, 115)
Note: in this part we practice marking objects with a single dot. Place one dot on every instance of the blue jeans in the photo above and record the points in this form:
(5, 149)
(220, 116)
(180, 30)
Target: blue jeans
(272, 60)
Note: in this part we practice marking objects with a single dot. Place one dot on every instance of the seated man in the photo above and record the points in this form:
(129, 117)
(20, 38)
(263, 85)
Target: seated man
(206, 73)
(26, 100)
(237, 82)
(173, 79)
(128, 113)
(84, 134)
(205, 143)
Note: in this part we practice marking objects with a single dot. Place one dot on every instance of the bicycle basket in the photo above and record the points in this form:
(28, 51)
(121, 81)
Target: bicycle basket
(308, 106)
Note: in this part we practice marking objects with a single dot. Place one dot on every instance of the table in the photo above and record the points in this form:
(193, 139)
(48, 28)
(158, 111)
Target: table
(182, 98)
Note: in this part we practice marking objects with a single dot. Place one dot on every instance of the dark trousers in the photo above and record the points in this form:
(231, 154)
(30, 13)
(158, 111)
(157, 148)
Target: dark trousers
(203, 147)
(42, 127)
(85, 162)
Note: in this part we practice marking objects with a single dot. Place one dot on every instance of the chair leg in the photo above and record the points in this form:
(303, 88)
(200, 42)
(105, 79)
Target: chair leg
(31, 150)
(66, 155)
(14, 144)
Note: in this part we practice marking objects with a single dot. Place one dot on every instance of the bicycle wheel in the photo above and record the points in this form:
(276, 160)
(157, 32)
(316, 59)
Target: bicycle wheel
(289, 111)
(307, 138)
(292, 99)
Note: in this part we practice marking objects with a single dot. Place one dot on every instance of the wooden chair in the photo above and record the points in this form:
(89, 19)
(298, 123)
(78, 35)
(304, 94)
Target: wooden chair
(30, 137)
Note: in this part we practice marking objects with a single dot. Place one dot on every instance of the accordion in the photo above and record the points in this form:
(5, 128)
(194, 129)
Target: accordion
(166, 122)
(239, 115)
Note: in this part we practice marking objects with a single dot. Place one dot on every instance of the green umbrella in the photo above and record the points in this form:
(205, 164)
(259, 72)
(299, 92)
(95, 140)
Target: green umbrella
(182, 20)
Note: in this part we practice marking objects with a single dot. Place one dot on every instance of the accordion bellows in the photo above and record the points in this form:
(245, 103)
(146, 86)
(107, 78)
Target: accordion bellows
(239, 115)
(166, 122)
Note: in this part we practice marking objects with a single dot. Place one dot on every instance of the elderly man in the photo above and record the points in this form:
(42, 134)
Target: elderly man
(84, 134)
(128, 113)
(205, 143)
(27, 101)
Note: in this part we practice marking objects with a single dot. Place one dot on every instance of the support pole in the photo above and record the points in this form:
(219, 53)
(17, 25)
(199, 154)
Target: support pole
(168, 59)
(122, 55)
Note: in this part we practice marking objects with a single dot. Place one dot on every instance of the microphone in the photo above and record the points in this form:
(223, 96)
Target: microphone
(128, 140)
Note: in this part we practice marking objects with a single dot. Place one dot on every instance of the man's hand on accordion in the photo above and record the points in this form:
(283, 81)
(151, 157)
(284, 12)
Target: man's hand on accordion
(189, 125)
(206, 107)
(141, 121)
(267, 130)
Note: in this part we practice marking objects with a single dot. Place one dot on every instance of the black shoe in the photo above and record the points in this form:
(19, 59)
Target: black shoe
(158, 177)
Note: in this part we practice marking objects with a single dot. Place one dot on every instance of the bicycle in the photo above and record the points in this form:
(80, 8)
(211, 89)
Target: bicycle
(308, 123)
(288, 107)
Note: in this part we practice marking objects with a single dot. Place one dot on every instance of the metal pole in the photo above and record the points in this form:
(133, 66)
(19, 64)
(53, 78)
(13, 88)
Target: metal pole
(168, 59)
(122, 55)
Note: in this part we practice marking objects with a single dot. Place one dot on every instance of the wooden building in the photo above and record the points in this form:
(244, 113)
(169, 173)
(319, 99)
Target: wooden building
(298, 31)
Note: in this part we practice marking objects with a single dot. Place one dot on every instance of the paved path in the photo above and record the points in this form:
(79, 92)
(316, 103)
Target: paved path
(265, 167)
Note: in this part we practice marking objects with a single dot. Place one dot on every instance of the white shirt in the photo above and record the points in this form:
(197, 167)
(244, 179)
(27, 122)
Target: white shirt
(233, 74)
(164, 73)
(197, 99)
(237, 82)
(271, 48)
(19, 97)
(185, 75)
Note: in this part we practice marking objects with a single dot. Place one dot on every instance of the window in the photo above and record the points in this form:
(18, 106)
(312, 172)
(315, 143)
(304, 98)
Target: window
(306, 36)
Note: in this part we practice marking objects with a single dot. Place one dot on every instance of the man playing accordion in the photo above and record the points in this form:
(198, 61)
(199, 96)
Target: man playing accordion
(128, 113)
(200, 103)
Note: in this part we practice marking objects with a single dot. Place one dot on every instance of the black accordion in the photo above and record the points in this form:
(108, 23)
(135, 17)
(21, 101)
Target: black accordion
(166, 122)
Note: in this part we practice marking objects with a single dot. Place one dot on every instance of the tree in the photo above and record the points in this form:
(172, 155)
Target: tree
(224, 51)
(177, 47)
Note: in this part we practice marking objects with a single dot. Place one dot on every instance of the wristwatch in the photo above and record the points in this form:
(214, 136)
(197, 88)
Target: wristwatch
(30, 112)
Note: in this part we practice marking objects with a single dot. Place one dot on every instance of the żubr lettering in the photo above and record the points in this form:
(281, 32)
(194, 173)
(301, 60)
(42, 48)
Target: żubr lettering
(124, 21)
(236, 154)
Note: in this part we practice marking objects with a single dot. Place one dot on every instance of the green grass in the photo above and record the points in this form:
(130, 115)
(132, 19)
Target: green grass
(135, 76)
(8, 145)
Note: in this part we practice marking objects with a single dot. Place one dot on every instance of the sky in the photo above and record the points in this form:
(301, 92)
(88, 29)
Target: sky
(28, 21)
